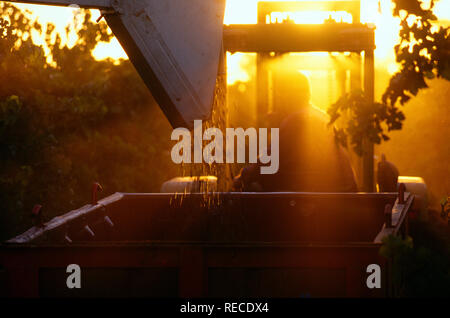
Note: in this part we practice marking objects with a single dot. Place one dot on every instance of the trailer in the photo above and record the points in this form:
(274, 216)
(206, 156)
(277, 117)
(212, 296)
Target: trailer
(246, 244)
(212, 244)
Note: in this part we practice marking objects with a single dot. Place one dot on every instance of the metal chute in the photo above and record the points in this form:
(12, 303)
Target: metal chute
(175, 46)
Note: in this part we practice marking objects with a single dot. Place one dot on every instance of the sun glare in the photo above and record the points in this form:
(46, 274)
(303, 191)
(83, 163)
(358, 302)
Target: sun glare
(63, 17)
(376, 12)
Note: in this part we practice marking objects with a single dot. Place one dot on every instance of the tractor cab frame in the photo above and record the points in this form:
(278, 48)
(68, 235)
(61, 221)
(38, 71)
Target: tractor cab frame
(269, 40)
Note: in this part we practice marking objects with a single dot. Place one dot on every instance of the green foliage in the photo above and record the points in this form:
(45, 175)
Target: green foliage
(421, 269)
(365, 120)
(66, 125)
(423, 53)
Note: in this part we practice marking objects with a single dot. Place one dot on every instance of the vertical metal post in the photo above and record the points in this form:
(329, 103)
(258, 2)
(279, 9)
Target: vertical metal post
(262, 88)
(342, 79)
(223, 80)
(369, 88)
(356, 84)
(355, 73)
(262, 85)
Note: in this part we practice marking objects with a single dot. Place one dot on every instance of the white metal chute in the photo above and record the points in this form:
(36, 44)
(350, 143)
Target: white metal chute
(192, 31)
(175, 45)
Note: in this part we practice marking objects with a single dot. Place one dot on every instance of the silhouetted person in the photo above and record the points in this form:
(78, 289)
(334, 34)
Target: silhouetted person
(310, 158)
(387, 175)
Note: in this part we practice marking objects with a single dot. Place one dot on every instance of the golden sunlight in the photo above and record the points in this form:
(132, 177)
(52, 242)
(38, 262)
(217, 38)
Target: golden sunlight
(377, 12)
(62, 17)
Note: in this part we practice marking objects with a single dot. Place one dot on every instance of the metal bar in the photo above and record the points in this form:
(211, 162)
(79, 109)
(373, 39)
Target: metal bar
(400, 211)
(369, 89)
(122, 256)
(311, 256)
(88, 4)
(179, 254)
(266, 38)
(399, 216)
(350, 6)
(262, 85)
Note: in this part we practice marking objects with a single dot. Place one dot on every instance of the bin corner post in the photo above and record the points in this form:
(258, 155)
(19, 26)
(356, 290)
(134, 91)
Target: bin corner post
(192, 273)
(353, 282)
(262, 85)
(369, 88)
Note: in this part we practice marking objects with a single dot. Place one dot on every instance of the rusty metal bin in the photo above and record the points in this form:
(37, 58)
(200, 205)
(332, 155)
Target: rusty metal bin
(197, 245)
